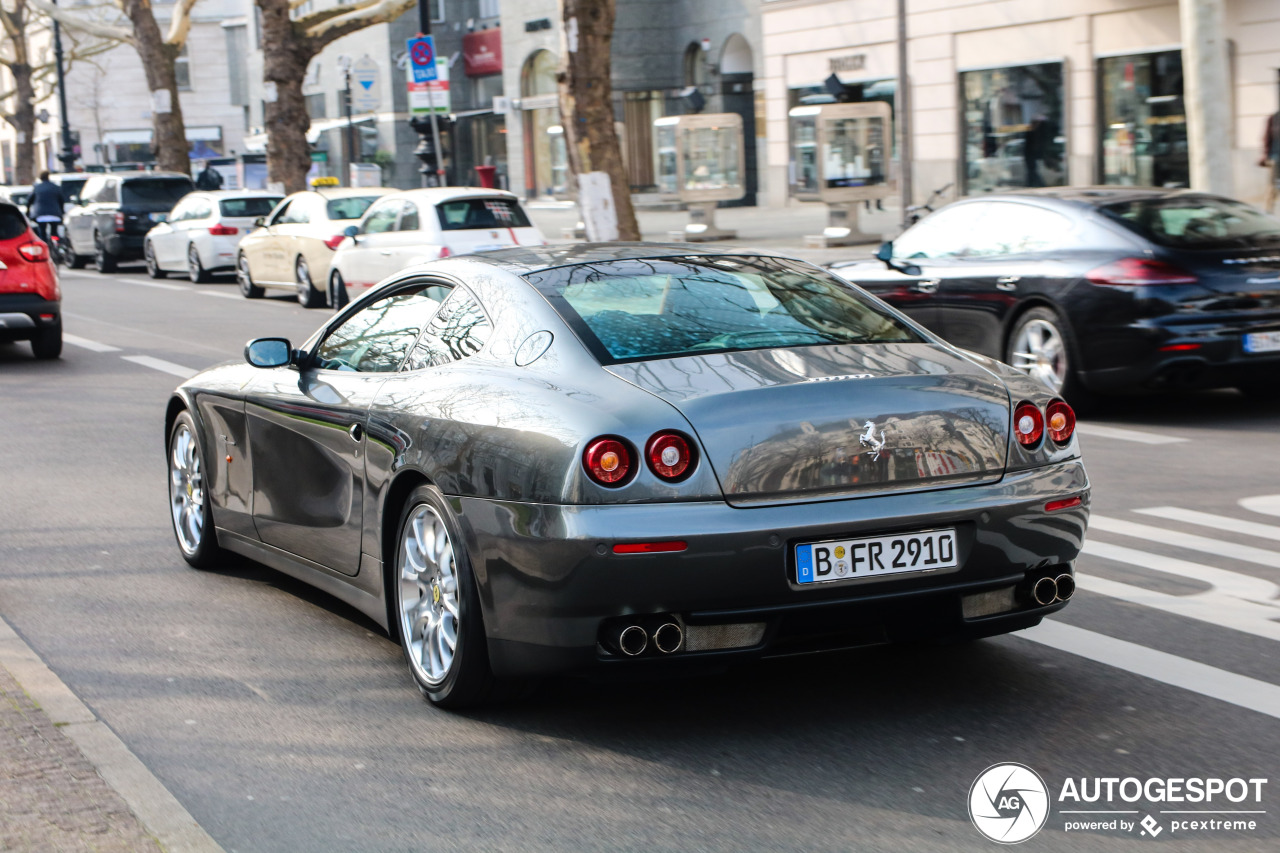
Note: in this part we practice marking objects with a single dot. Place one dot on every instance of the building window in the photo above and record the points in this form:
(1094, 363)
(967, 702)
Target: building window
(1013, 128)
(1143, 122)
(315, 105)
(237, 63)
(489, 9)
(437, 11)
(182, 69)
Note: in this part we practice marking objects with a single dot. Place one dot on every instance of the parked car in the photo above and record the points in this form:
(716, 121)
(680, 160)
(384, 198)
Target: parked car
(71, 183)
(294, 245)
(1100, 289)
(115, 213)
(30, 299)
(414, 226)
(602, 457)
(203, 232)
(18, 194)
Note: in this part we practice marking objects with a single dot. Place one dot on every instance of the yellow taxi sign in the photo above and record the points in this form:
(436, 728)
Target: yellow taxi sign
(325, 182)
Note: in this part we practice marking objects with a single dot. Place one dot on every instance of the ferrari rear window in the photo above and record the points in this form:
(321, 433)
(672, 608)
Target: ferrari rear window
(475, 213)
(639, 309)
(1197, 222)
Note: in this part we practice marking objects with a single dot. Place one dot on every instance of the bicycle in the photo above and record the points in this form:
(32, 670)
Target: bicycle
(916, 212)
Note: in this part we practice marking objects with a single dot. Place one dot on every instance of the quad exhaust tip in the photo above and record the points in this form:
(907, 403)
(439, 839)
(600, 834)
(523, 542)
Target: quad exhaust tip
(1045, 591)
(668, 638)
(633, 640)
(1066, 585)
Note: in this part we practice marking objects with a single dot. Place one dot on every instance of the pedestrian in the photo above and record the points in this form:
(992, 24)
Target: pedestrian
(45, 206)
(209, 178)
(1271, 156)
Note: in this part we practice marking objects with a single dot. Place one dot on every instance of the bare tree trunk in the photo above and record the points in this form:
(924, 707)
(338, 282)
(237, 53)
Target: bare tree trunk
(24, 122)
(586, 102)
(288, 152)
(169, 134)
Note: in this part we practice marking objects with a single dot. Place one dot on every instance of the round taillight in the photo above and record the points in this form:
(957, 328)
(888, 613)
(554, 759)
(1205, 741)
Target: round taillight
(1028, 424)
(1060, 421)
(608, 461)
(669, 455)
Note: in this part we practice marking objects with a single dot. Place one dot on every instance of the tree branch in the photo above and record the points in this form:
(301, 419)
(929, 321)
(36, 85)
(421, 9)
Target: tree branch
(95, 28)
(326, 27)
(180, 23)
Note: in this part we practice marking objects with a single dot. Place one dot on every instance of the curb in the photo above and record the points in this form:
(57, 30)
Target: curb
(150, 801)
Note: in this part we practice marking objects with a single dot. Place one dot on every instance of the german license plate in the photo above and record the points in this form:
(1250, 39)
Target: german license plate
(874, 556)
(1262, 342)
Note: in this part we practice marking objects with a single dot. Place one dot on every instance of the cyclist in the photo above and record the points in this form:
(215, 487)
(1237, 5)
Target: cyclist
(45, 207)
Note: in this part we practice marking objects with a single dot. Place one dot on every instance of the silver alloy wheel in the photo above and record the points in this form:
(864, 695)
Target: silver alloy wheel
(186, 489)
(303, 274)
(195, 271)
(1040, 351)
(153, 268)
(428, 596)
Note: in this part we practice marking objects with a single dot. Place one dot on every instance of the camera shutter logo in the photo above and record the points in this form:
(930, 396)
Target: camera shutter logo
(1008, 803)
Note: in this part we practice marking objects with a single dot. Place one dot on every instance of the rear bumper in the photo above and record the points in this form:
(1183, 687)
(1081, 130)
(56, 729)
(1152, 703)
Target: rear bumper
(550, 583)
(22, 316)
(125, 246)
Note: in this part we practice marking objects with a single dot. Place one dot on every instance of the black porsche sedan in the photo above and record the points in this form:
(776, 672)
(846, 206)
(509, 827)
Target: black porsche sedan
(1096, 289)
(625, 456)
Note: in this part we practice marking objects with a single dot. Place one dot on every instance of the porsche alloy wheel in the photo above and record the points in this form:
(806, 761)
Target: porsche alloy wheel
(437, 608)
(188, 500)
(1039, 348)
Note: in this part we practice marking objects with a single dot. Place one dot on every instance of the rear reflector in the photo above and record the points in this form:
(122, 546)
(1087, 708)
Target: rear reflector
(1065, 503)
(1180, 348)
(1139, 272)
(444, 252)
(649, 547)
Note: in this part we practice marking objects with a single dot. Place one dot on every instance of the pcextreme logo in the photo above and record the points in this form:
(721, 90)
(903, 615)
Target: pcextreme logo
(1008, 803)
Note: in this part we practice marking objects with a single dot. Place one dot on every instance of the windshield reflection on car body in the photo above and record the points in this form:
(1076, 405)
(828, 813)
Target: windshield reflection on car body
(631, 310)
(1196, 222)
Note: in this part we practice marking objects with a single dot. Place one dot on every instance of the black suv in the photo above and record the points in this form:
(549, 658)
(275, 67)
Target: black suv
(116, 211)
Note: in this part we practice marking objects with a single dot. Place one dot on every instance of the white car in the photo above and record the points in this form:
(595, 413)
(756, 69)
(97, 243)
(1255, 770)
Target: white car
(409, 227)
(203, 231)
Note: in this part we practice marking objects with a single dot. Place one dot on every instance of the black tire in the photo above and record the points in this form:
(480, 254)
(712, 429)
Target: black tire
(308, 295)
(188, 492)
(153, 267)
(468, 679)
(244, 278)
(338, 298)
(195, 270)
(69, 258)
(48, 342)
(103, 261)
(1043, 319)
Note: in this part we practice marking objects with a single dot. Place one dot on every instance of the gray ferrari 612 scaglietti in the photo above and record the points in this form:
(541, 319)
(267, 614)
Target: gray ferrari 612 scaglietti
(624, 456)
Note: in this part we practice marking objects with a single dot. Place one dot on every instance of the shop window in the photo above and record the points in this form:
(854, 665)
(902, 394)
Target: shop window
(1143, 132)
(182, 69)
(1013, 128)
(802, 126)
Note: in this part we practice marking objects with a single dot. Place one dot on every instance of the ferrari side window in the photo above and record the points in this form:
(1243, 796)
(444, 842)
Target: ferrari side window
(376, 338)
(458, 330)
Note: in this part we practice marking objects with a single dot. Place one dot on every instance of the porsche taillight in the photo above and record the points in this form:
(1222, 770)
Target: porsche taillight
(1060, 420)
(1139, 272)
(670, 455)
(1028, 424)
(608, 461)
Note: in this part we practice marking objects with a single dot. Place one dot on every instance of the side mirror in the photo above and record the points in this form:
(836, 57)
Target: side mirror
(885, 252)
(259, 222)
(269, 352)
(351, 231)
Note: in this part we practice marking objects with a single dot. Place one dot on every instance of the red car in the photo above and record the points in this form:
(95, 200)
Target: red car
(30, 299)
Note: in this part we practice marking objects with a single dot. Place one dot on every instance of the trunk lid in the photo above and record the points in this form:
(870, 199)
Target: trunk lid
(812, 423)
(1238, 279)
(483, 239)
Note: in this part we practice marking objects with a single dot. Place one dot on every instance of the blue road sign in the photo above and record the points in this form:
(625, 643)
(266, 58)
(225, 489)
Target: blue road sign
(422, 59)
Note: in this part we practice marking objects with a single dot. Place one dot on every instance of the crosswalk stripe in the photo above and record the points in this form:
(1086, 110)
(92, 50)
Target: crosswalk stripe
(85, 343)
(1135, 435)
(1234, 584)
(1190, 541)
(162, 365)
(1265, 504)
(1260, 696)
(1218, 522)
(1211, 607)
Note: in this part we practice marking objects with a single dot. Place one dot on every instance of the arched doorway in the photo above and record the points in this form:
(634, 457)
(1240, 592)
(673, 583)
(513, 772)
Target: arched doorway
(737, 91)
(546, 159)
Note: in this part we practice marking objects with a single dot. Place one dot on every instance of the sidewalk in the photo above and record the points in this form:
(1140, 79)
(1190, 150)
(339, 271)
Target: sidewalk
(67, 783)
(774, 229)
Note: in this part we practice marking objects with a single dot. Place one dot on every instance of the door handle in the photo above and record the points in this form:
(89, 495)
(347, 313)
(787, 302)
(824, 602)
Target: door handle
(1008, 282)
(356, 432)
(928, 285)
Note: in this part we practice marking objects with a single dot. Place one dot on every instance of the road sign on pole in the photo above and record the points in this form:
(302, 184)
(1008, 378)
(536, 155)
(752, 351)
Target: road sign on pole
(365, 97)
(422, 59)
(431, 96)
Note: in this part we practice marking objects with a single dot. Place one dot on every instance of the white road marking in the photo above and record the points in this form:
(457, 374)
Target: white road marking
(1233, 584)
(155, 284)
(221, 295)
(1217, 522)
(1260, 696)
(1190, 541)
(85, 343)
(1100, 431)
(1265, 504)
(162, 365)
(1211, 607)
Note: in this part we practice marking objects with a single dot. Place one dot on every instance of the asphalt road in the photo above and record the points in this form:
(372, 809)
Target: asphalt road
(284, 720)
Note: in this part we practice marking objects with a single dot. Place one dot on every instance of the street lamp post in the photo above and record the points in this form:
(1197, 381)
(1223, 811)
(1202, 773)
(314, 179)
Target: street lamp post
(428, 150)
(68, 154)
